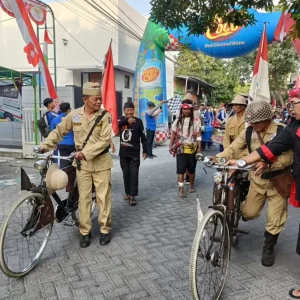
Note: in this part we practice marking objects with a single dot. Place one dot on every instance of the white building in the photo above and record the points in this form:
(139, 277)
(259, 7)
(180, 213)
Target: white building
(82, 39)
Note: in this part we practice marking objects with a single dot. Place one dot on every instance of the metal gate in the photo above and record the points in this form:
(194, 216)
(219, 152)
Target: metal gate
(28, 127)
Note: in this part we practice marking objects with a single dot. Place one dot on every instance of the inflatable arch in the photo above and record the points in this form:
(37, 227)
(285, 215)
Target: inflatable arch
(227, 42)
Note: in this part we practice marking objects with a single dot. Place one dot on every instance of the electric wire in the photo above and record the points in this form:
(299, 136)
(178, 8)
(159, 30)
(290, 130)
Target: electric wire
(6, 20)
(78, 42)
(110, 17)
(88, 18)
(119, 8)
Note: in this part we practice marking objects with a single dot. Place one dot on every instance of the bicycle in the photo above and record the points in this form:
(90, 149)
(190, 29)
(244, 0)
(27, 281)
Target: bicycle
(27, 228)
(217, 232)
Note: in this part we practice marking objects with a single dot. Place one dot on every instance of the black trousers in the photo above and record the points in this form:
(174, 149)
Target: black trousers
(150, 139)
(65, 150)
(130, 167)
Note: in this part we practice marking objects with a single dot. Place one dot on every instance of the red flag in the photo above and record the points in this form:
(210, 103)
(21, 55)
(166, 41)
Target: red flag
(109, 99)
(47, 38)
(259, 89)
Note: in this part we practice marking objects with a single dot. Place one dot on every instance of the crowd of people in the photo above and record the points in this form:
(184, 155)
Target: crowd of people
(247, 126)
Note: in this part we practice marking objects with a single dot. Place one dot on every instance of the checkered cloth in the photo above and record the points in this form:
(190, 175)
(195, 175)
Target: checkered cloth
(174, 44)
(174, 104)
(161, 136)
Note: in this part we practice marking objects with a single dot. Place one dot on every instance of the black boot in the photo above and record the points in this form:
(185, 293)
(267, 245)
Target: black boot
(267, 259)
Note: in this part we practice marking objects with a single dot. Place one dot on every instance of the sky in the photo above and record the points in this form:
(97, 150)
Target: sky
(142, 6)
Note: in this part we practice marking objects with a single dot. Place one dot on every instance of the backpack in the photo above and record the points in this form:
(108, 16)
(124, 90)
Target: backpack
(249, 131)
(43, 125)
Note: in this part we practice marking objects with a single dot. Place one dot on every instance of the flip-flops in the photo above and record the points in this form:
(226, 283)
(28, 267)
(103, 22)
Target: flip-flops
(132, 201)
(292, 295)
(192, 190)
(181, 194)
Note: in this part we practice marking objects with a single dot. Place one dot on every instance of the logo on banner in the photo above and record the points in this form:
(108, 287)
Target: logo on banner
(6, 7)
(37, 14)
(150, 74)
(223, 32)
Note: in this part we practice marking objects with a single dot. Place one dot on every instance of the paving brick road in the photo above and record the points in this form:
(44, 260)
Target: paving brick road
(149, 254)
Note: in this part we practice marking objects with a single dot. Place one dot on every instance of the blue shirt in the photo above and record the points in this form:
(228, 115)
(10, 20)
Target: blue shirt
(69, 137)
(50, 116)
(150, 122)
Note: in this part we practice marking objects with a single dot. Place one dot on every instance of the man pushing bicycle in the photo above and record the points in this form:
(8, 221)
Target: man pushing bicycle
(92, 134)
(262, 129)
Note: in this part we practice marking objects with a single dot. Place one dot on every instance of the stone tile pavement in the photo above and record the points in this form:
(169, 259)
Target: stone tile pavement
(148, 257)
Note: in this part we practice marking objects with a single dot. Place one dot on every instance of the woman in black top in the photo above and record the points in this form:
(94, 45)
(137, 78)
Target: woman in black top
(288, 139)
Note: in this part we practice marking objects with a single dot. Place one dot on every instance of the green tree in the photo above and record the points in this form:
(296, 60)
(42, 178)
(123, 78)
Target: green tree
(283, 60)
(199, 15)
(211, 70)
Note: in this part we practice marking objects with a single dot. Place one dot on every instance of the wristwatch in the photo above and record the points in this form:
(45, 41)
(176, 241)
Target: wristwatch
(241, 163)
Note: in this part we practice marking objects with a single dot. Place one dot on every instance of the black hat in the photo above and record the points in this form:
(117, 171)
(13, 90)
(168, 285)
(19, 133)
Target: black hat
(47, 101)
(128, 105)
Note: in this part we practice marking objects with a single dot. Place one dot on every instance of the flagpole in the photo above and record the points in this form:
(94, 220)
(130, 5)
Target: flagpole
(104, 63)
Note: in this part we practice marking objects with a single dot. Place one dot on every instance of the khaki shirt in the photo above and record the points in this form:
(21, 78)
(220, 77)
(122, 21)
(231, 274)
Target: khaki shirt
(234, 126)
(240, 144)
(97, 143)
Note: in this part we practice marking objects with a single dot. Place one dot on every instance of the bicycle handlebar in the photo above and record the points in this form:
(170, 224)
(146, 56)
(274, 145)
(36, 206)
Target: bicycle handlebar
(45, 156)
(218, 166)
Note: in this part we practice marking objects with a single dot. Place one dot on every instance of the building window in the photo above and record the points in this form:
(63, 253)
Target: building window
(127, 81)
(129, 99)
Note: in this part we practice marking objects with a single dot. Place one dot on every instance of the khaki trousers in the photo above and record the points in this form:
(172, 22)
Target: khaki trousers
(102, 182)
(277, 208)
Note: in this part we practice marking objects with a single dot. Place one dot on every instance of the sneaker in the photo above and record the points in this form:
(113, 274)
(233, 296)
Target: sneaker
(150, 156)
(85, 240)
(104, 238)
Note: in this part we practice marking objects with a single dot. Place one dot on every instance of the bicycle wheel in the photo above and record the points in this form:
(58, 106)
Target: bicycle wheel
(209, 257)
(21, 242)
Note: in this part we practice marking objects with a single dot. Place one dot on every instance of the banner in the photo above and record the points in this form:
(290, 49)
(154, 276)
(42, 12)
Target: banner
(229, 41)
(150, 77)
(32, 49)
(36, 11)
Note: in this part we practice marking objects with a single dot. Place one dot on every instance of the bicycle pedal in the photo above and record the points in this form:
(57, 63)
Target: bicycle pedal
(241, 231)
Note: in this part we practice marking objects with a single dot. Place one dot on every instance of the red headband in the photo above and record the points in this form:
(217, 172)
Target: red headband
(186, 105)
(295, 93)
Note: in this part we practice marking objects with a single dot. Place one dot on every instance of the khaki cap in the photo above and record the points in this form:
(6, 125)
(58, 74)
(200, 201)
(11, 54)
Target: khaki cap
(56, 179)
(188, 96)
(91, 89)
(240, 100)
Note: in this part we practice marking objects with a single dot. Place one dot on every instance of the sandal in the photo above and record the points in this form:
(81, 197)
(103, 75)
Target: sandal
(181, 194)
(192, 190)
(132, 201)
(127, 197)
(292, 295)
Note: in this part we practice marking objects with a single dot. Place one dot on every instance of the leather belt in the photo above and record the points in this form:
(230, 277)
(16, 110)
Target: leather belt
(103, 152)
(272, 174)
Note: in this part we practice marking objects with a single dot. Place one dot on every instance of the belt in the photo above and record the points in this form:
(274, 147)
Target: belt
(272, 174)
(103, 152)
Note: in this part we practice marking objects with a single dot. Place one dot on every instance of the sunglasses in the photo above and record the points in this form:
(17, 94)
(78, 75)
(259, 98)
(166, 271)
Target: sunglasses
(292, 105)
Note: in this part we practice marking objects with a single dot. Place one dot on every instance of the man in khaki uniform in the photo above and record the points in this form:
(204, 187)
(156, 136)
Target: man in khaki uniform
(259, 115)
(96, 162)
(235, 124)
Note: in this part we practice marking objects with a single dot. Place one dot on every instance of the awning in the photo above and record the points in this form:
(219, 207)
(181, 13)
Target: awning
(8, 77)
